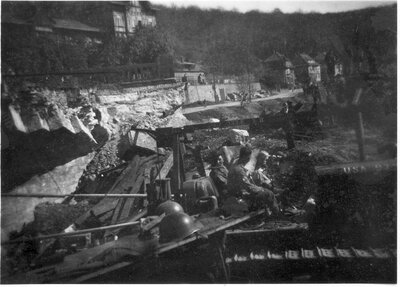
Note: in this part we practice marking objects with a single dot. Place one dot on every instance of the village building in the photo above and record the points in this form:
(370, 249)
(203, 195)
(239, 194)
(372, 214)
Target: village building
(120, 18)
(306, 68)
(190, 69)
(331, 65)
(129, 15)
(41, 23)
(280, 69)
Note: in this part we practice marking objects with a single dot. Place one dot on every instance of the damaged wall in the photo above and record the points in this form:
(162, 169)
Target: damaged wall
(205, 92)
(15, 212)
(51, 137)
(39, 139)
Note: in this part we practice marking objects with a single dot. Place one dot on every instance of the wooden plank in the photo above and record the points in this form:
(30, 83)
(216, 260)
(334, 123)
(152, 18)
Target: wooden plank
(169, 246)
(129, 202)
(124, 180)
(100, 272)
(119, 186)
(124, 207)
(137, 178)
(166, 167)
(165, 247)
(116, 213)
(105, 216)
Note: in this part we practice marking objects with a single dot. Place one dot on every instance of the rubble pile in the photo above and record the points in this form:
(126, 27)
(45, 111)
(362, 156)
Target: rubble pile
(106, 123)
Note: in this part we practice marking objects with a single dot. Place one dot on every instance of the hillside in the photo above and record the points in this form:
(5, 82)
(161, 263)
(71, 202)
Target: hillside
(194, 33)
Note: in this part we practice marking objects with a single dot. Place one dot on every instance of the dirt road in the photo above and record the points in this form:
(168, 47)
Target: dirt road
(286, 94)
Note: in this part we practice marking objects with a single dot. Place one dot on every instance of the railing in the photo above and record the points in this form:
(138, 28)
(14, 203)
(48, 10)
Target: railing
(135, 73)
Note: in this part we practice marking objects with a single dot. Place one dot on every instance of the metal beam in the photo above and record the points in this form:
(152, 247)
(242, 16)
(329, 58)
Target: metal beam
(83, 231)
(72, 195)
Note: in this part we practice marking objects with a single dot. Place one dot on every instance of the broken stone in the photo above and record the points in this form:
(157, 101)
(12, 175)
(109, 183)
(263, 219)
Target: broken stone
(142, 139)
(238, 136)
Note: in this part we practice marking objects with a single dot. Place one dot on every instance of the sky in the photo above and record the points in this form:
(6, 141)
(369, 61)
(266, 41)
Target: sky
(284, 6)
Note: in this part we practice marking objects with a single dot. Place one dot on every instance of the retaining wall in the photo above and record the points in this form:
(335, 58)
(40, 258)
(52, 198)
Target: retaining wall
(205, 92)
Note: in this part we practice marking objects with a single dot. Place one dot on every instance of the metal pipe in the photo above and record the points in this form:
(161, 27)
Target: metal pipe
(360, 137)
(83, 231)
(111, 195)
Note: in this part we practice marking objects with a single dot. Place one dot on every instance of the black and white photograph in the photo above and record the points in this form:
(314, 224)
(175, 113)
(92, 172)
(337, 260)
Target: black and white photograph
(198, 142)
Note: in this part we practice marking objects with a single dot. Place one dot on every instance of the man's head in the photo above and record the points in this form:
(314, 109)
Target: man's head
(245, 154)
(262, 159)
(216, 158)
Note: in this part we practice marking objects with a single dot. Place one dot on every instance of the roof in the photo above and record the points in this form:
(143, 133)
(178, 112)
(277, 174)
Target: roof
(321, 57)
(5, 18)
(145, 5)
(66, 24)
(73, 25)
(307, 59)
(339, 47)
(277, 57)
(188, 66)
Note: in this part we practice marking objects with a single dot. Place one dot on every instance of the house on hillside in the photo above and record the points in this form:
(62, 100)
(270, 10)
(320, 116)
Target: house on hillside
(306, 68)
(354, 59)
(279, 70)
(41, 23)
(121, 18)
(127, 16)
(331, 65)
(320, 58)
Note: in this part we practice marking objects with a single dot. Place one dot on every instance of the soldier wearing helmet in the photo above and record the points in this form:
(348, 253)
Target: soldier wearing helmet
(240, 185)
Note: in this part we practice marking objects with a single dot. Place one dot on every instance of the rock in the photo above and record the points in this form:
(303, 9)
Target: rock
(73, 202)
(80, 127)
(33, 121)
(238, 136)
(57, 120)
(17, 120)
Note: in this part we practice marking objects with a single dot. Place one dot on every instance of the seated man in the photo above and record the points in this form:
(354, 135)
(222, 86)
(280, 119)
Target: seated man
(258, 177)
(239, 185)
(219, 173)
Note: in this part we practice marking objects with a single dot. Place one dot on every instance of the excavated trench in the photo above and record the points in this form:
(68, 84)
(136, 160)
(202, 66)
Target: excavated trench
(112, 149)
(58, 142)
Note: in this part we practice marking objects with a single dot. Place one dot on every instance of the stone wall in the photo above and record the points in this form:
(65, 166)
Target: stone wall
(205, 92)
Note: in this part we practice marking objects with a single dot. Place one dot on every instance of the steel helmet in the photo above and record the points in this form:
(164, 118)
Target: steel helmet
(176, 226)
(169, 207)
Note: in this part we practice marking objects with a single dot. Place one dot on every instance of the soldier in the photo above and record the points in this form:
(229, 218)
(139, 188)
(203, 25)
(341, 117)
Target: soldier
(219, 173)
(240, 186)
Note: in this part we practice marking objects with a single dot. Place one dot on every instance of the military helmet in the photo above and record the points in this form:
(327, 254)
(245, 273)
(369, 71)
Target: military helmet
(176, 226)
(168, 207)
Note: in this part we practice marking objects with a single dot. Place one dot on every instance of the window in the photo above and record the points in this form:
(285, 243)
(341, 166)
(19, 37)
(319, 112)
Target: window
(119, 22)
(338, 69)
(130, 17)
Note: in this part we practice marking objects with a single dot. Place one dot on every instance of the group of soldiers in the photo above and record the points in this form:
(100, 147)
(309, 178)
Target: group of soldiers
(256, 188)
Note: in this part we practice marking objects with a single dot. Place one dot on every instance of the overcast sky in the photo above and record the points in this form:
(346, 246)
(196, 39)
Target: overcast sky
(284, 6)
